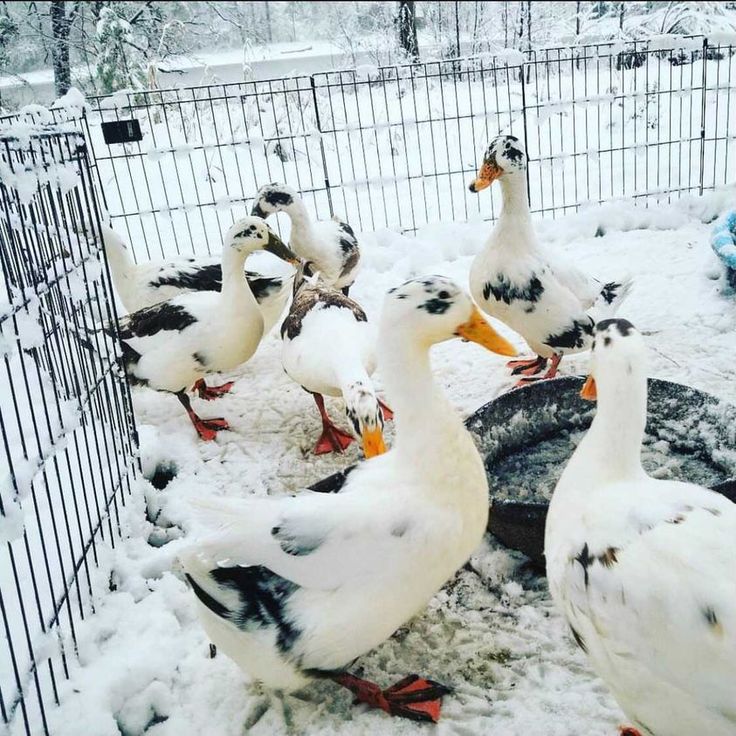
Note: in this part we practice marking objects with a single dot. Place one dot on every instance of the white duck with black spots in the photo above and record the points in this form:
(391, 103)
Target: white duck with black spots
(330, 245)
(550, 303)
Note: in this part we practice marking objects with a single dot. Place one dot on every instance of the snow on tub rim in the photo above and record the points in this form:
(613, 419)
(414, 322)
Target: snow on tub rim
(526, 437)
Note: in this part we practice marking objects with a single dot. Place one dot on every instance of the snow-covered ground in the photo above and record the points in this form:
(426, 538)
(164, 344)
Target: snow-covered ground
(491, 633)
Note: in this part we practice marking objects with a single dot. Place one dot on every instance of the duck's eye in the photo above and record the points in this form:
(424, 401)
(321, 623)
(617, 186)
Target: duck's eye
(444, 294)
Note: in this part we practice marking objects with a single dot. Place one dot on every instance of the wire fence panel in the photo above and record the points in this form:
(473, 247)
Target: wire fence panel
(66, 419)
(395, 146)
(203, 155)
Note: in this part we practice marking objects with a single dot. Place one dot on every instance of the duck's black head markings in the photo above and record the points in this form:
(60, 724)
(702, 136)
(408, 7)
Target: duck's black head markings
(277, 198)
(623, 326)
(435, 305)
(610, 291)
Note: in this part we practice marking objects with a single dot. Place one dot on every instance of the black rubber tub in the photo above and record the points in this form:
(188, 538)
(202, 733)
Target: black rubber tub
(527, 436)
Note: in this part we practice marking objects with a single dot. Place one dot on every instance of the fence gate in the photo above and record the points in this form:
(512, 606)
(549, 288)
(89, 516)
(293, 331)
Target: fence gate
(68, 438)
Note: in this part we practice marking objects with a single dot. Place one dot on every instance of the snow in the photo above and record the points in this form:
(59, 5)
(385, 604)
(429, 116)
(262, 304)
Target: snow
(491, 633)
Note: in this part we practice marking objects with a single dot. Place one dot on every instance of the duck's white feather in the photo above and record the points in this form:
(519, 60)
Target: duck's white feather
(220, 335)
(328, 344)
(170, 345)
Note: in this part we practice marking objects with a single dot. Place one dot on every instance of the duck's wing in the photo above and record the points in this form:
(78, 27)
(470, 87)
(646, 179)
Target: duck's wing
(667, 598)
(173, 315)
(348, 247)
(187, 274)
(314, 540)
(585, 288)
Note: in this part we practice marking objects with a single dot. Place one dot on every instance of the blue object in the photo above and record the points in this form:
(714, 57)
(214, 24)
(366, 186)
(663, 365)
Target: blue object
(723, 242)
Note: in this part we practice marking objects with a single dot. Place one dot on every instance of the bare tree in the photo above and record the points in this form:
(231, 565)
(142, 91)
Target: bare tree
(61, 25)
(407, 24)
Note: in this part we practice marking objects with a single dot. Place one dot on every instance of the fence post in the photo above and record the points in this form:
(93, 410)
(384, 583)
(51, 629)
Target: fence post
(321, 145)
(702, 117)
(526, 134)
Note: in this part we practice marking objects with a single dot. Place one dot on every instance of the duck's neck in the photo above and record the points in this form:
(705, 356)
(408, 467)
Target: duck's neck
(426, 422)
(350, 369)
(301, 223)
(612, 446)
(118, 256)
(235, 290)
(514, 227)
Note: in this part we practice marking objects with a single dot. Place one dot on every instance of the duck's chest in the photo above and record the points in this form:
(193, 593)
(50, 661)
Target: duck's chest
(233, 342)
(320, 248)
(505, 284)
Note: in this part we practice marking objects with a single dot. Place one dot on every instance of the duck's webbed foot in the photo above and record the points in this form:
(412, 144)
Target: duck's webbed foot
(211, 392)
(207, 429)
(551, 373)
(629, 731)
(413, 697)
(332, 439)
(528, 367)
(388, 413)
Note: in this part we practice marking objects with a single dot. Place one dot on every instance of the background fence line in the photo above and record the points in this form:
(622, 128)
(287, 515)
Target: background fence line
(395, 146)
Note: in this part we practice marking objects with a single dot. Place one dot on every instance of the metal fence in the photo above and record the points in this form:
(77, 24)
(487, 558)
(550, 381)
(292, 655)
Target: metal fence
(395, 146)
(68, 437)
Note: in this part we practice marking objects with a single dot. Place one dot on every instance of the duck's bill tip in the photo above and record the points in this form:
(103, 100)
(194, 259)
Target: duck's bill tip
(589, 391)
(373, 443)
(487, 174)
(477, 330)
(277, 246)
(478, 185)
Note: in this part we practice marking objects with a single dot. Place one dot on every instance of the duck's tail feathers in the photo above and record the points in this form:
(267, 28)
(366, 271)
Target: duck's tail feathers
(611, 297)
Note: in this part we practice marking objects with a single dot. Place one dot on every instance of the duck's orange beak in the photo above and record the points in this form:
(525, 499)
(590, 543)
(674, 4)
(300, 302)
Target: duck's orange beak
(487, 174)
(589, 391)
(373, 443)
(476, 329)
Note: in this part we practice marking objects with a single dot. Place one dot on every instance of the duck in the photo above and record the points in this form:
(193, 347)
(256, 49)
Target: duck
(330, 244)
(643, 570)
(550, 303)
(172, 345)
(141, 285)
(296, 587)
(328, 348)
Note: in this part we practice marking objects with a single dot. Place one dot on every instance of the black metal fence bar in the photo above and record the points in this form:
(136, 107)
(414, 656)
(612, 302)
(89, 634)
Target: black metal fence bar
(66, 419)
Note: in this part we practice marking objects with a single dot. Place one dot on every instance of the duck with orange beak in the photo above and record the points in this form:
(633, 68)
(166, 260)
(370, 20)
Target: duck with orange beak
(294, 588)
(328, 348)
(550, 303)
